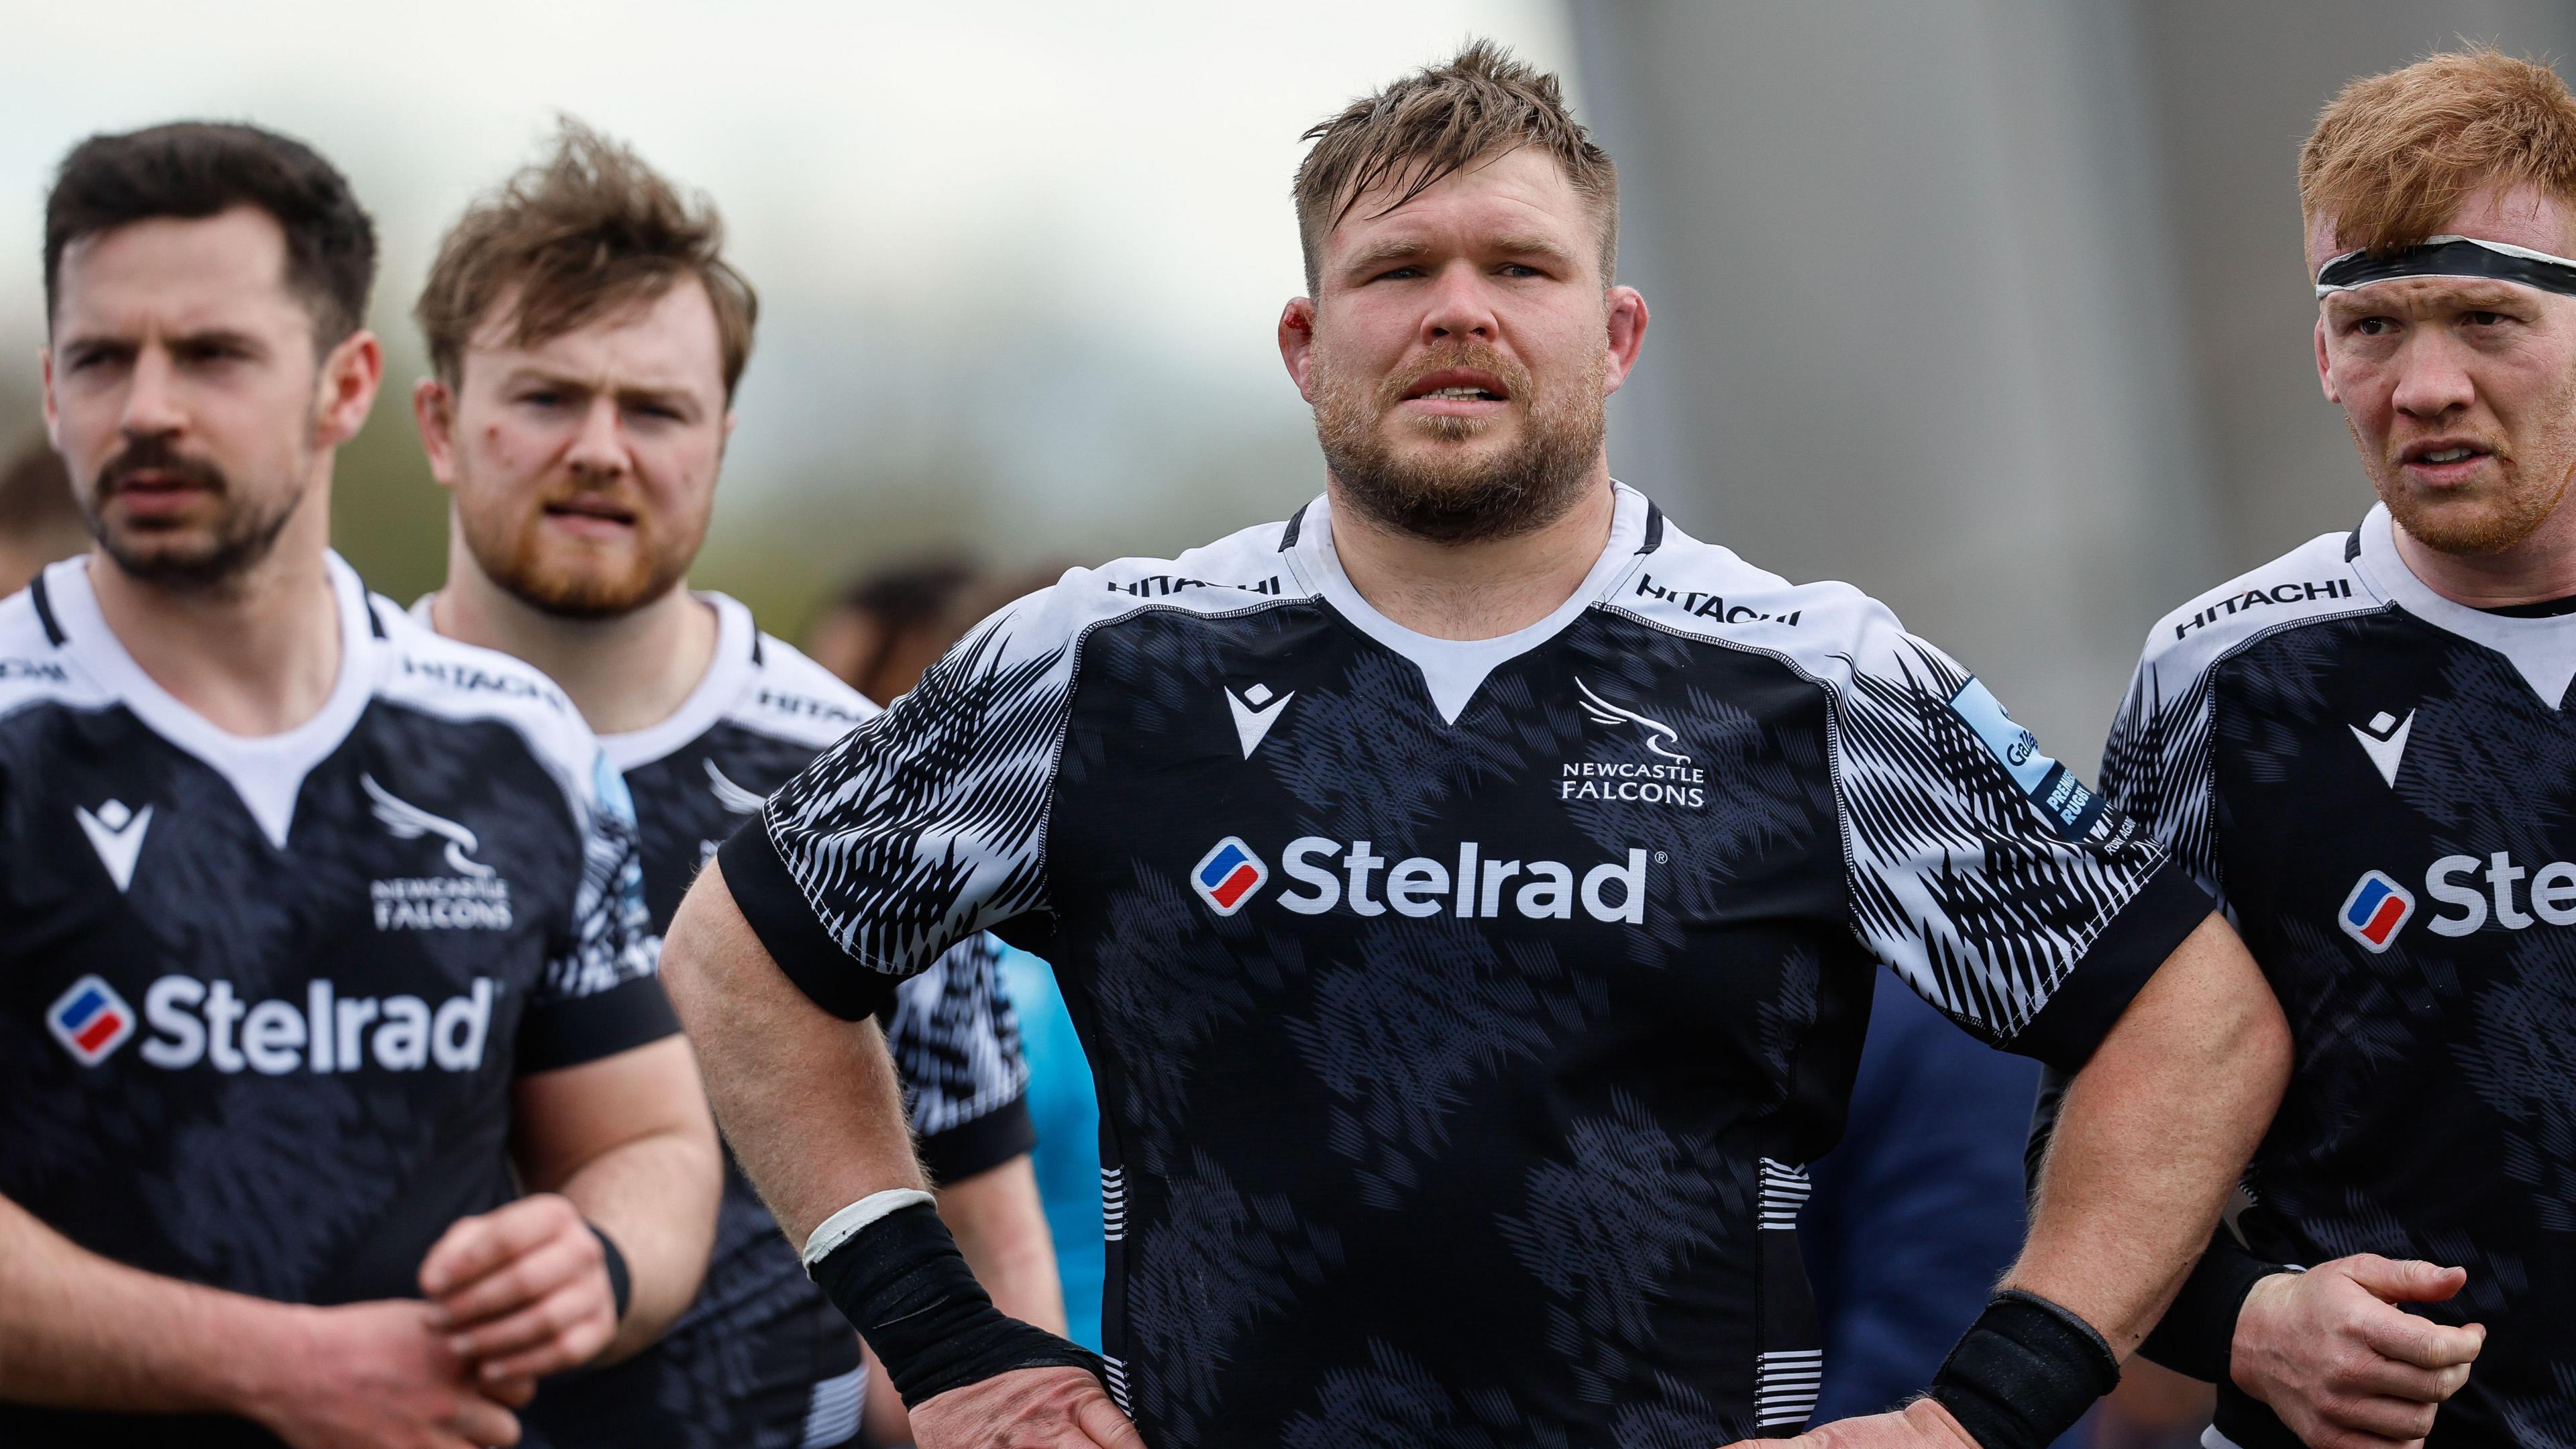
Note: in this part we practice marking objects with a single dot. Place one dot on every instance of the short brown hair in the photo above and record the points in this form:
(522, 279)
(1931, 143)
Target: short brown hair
(1443, 119)
(2393, 155)
(583, 233)
(195, 169)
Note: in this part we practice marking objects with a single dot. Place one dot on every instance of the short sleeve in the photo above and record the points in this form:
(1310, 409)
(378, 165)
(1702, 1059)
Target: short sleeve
(602, 992)
(1986, 874)
(920, 828)
(956, 1045)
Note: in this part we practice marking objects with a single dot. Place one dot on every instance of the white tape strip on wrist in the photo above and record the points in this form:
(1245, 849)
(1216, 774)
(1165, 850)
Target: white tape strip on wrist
(846, 1224)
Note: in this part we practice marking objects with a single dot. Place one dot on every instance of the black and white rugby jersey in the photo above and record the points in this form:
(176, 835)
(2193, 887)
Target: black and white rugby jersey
(262, 1000)
(761, 1360)
(1463, 1013)
(2380, 786)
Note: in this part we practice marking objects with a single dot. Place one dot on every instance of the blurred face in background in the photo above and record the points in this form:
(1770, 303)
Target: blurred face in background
(584, 466)
(2459, 391)
(183, 390)
(1459, 350)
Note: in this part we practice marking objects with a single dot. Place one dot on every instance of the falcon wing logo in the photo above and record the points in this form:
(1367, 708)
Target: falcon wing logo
(1603, 711)
(410, 822)
(732, 796)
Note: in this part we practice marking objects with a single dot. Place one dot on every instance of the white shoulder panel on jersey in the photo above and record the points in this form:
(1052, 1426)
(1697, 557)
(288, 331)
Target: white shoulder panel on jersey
(2311, 582)
(34, 669)
(903, 860)
(430, 672)
(788, 696)
(1950, 811)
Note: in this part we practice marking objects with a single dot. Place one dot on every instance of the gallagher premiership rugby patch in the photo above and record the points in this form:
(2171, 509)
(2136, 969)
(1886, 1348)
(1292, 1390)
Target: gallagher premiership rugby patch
(2070, 806)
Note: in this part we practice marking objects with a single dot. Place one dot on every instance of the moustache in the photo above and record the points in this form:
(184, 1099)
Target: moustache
(156, 455)
(1515, 378)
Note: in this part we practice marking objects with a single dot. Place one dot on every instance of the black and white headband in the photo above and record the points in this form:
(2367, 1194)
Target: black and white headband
(2450, 256)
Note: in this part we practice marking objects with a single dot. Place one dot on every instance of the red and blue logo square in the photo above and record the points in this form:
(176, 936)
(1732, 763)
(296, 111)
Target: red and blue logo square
(2375, 911)
(1228, 876)
(90, 1020)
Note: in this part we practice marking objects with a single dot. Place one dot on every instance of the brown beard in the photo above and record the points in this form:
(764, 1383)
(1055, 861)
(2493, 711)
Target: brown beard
(242, 535)
(512, 552)
(1448, 498)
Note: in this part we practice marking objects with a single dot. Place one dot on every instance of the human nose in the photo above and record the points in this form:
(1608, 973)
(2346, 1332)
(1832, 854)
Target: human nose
(1461, 308)
(599, 449)
(152, 408)
(2430, 380)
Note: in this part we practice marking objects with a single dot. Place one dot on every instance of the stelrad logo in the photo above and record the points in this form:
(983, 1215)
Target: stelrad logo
(1228, 875)
(1331, 875)
(2375, 911)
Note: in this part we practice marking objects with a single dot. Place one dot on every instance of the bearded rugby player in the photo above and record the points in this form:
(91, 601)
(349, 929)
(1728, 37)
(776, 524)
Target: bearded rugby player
(588, 335)
(1468, 891)
(2363, 748)
(325, 981)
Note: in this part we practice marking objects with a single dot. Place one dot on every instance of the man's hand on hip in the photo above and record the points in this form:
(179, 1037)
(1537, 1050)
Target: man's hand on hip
(2330, 1352)
(523, 1290)
(377, 1376)
(1039, 1408)
(1922, 1424)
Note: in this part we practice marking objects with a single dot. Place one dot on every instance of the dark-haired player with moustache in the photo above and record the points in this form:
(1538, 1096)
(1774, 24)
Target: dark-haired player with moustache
(2364, 748)
(325, 981)
(1468, 890)
(587, 336)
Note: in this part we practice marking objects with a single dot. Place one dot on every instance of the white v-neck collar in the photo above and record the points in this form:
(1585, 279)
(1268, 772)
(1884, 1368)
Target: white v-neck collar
(266, 771)
(2543, 651)
(1453, 669)
(728, 674)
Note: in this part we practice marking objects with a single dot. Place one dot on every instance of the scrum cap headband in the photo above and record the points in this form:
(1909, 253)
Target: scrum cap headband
(2450, 256)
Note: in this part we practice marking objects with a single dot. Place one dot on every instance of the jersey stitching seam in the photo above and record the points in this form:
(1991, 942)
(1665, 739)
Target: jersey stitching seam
(2209, 788)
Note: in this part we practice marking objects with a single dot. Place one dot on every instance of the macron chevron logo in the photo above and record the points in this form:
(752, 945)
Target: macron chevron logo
(116, 833)
(1255, 711)
(2384, 740)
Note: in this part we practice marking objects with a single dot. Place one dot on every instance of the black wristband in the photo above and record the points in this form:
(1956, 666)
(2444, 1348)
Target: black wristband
(2024, 1372)
(621, 1281)
(901, 1281)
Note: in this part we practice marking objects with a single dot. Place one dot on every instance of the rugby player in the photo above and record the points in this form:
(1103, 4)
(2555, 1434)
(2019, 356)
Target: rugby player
(324, 936)
(2362, 748)
(1468, 891)
(587, 335)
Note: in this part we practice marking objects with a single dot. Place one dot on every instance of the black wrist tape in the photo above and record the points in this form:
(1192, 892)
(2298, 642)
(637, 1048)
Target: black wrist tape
(2024, 1373)
(905, 1286)
(621, 1280)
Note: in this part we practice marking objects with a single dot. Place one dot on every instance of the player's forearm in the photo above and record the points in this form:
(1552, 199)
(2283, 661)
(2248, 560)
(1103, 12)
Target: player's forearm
(783, 1073)
(2155, 1131)
(1001, 1227)
(655, 1197)
(81, 1331)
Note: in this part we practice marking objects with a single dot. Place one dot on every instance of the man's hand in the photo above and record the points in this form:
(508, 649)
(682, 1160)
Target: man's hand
(2340, 1363)
(1923, 1424)
(378, 1376)
(523, 1289)
(1039, 1408)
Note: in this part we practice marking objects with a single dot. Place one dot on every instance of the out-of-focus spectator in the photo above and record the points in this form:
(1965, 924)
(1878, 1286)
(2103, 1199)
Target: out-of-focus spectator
(1920, 1209)
(40, 521)
(882, 631)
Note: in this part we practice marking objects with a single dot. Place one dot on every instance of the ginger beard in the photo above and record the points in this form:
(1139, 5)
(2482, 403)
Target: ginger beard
(555, 572)
(1451, 494)
(189, 554)
(2533, 482)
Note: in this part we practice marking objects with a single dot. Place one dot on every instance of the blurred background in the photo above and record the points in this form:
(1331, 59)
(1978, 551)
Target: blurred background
(1995, 307)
